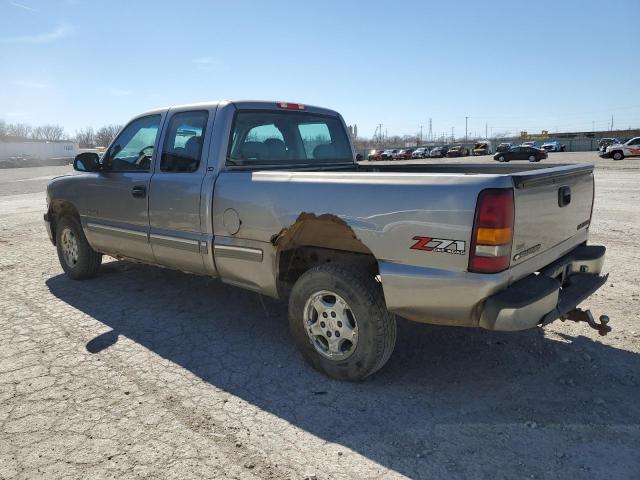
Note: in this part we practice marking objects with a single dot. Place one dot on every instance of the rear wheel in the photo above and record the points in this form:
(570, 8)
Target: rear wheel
(532, 158)
(78, 260)
(340, 322)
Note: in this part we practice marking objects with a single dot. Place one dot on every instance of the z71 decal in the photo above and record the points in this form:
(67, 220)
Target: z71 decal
(439, 245)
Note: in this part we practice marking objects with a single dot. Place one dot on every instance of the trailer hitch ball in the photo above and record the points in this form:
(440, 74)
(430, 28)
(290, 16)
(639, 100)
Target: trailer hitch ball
(579, 315)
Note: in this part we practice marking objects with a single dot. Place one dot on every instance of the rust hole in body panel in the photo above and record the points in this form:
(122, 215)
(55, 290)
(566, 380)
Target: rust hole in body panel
(325, 230)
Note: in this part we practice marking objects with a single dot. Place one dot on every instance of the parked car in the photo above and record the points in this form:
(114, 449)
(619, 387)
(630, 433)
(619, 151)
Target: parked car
(530, 144)
(404, 154)
(458, 151)
(504, 146)
(439, 152)
(420, 152)
(234, 199)
(631, 148)
(521, 152)
(375, 155)
(605, 142)
(389, 153)
(485, 147)
(553, 146)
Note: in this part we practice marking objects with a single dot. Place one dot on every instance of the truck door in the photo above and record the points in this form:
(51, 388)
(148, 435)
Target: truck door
(117, 220)
(174, 195)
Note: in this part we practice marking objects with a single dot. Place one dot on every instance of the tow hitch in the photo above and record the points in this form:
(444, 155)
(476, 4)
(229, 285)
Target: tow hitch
(579, 315)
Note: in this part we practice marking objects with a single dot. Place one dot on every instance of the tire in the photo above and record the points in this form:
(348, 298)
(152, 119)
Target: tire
(617, 155)
(373, 324)
(532, 158)
(501, 158)
(78, 260)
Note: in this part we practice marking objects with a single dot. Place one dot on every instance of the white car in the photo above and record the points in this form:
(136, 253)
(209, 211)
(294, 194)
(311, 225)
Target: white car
(631, 148)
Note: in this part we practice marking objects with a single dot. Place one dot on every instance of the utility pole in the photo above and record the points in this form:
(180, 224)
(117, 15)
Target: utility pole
(466, 120)
(420, 135)
(453, 139)
(612, 122)
(486, 130)
(430, 131)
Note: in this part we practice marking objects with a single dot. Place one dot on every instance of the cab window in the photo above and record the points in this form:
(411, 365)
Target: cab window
(133, 148)
(273, 137)
(182, 149)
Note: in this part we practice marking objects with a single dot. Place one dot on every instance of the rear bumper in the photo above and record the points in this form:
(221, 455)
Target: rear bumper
(540, 299)
(495, 301)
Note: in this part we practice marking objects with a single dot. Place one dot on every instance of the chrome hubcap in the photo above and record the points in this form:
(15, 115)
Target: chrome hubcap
(330, 325)
(69, 247)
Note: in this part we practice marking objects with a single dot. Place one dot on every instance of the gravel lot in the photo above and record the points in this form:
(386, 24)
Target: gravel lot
(148, 373)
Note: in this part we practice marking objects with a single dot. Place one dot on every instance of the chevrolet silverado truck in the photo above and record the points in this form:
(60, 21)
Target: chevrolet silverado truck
(267, 196)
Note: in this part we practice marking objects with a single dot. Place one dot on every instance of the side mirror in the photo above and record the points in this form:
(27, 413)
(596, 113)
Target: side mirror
(359, 157)
(87, 162)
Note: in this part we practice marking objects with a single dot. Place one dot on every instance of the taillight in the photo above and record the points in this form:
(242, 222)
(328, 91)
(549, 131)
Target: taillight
(291, 106)
(492, 231)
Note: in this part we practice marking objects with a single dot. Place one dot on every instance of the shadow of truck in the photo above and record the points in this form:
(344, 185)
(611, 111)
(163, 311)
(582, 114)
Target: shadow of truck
(451, 402)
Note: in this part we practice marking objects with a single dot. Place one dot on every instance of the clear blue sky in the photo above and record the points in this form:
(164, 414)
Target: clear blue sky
(510, 64)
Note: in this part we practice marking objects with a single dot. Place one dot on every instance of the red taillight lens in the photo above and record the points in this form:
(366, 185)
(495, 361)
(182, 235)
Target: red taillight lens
(492, 231)
(291, 106)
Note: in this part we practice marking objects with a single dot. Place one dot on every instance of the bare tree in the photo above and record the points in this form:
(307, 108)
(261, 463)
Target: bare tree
(3, 129)
(50, 133)
(106, 134)
(20, 130)
(86, 137)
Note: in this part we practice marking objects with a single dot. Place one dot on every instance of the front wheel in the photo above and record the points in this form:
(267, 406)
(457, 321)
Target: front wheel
(501, 158)
(618, 155)
(340, 323)
(78, 260)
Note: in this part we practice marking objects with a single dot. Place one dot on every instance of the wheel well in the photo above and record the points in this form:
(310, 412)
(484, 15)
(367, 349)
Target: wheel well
(314, 240)
(59, 209)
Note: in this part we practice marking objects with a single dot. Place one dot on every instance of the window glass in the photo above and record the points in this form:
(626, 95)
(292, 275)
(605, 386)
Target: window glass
(133, 149)
(272, 137)
(182, 148)
(314, 134)
(264, 133)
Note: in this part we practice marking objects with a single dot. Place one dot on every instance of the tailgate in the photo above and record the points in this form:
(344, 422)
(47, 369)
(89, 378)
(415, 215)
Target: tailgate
(551, 206)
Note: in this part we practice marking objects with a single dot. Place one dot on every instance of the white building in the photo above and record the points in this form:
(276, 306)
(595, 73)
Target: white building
(38, 150)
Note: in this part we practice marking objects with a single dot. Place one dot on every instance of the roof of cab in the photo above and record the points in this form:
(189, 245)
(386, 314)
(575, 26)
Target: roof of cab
(241, 104)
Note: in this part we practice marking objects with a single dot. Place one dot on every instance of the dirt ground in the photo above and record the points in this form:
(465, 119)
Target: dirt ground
(148, 373)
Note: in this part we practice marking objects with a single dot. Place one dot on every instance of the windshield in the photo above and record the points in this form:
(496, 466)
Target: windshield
(272, 137)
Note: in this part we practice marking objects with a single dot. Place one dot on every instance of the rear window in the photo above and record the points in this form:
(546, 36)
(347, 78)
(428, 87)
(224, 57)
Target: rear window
(274, 137)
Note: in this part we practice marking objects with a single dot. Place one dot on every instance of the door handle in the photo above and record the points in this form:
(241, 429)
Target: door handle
(139, 191)
(564, 196)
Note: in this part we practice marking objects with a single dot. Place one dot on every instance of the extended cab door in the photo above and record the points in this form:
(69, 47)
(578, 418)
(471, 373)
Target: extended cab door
(175, 192)
(117, 220)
